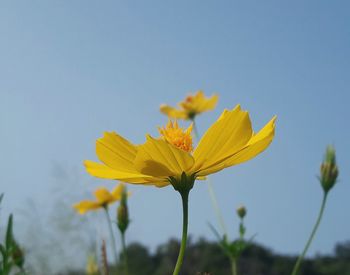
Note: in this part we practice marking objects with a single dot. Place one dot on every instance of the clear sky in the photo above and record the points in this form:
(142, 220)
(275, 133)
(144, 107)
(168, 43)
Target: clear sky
(70, 70)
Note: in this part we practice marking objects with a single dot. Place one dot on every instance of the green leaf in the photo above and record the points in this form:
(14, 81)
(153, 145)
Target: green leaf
(222, 241)
(216, 233)
(2, 251)
(9, 233)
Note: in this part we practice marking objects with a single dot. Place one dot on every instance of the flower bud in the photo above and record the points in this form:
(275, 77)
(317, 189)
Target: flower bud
(241, 211)
(123, 213)
(329, 169)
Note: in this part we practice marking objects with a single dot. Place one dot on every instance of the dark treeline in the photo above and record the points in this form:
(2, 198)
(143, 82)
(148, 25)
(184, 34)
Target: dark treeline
(203, 257)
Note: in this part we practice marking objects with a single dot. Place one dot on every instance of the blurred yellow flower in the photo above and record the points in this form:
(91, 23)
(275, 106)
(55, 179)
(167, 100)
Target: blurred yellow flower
(103, 199)
(171, 158)
(91, 265)
(191, 106)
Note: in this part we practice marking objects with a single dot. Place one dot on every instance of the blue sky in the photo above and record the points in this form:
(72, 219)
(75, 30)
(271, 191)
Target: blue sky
(73, 69)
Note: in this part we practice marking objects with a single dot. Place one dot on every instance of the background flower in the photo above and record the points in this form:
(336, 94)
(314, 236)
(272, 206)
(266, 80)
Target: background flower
(103, 199)
(191, 106)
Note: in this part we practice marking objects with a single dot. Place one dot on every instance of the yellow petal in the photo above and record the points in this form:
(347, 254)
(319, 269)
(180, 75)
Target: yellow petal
(84, 206)
(210, 103)
(116, 152)
(161, 184)
(103, 196)
(102, 171)
(158, 158)
(257, 144)
(226, 136)
(172, 112)
(203, 104)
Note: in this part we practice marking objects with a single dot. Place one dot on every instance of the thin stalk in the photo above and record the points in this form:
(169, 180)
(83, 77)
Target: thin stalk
(184, 196)
(216, 207)
(212, 195)
(125, 256)
(234, 266)
(114, 249)
(105, 270)
(301, 257)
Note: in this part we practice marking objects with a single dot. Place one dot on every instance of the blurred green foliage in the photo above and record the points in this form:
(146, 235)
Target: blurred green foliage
(11, 255)
(203, 257)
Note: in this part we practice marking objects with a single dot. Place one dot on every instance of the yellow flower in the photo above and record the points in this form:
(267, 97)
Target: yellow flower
(171, 158)
(103, 199)
(191, 106)
(91, 265)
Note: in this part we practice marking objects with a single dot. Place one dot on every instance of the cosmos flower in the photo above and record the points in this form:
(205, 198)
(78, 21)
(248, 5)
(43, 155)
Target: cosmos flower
(191, 106)
(103, 199)
(173, 157)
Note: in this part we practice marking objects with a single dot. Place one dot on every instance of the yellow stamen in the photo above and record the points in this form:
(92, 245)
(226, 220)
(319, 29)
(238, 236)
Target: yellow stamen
(177, 136)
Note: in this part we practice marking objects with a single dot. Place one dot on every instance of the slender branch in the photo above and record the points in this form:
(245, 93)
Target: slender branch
(105, 270)
(125, 256)
(301, 257)
(114, 249)
(184, 196)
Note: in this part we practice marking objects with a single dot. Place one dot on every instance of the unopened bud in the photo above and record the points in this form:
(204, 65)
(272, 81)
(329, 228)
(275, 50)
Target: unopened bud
(329, 169)
(241, 211)
(123, 213)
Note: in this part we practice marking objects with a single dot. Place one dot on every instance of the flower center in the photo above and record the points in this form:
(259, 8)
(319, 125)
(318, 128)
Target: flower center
(177, 136)
(189, 99)
(187, 104)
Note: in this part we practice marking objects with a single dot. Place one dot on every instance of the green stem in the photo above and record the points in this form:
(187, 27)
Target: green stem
(114, 249)
(184, 196)
(212, 195)
(301, 257)
(196, 133)
(234, 266)
(125, 256)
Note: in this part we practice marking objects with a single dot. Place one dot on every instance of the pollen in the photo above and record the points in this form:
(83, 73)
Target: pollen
(177, 136)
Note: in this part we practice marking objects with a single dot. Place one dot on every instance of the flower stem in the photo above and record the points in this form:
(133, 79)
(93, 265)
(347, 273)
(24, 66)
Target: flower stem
(234, 266)
(212, 195)
(301, 257)
(114, 249)
(184, 196)
(125, 256)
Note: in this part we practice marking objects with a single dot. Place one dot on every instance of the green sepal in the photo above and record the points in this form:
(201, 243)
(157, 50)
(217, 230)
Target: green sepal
(184, 184)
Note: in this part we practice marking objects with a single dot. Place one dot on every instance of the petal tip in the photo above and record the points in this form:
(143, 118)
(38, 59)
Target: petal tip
(149, 137)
